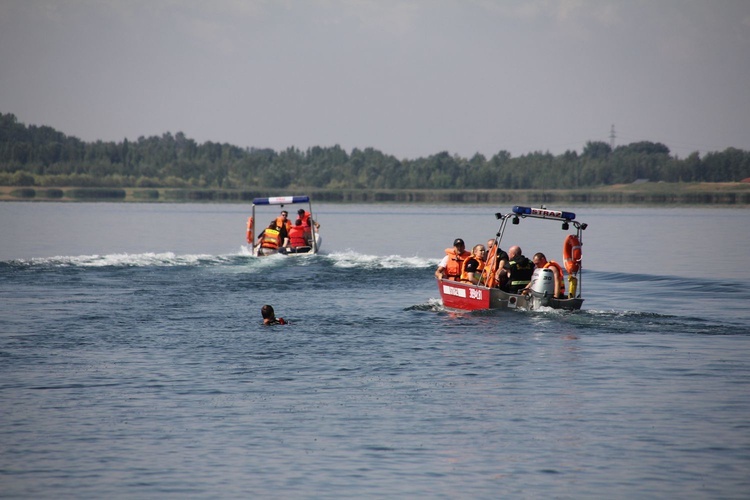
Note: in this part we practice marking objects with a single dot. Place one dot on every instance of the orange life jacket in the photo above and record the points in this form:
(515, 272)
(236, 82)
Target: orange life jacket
(455, 263)
(557, 269)
(271, 238)
(297, 237)
(280, 222)
(305, 218)
(464, 274)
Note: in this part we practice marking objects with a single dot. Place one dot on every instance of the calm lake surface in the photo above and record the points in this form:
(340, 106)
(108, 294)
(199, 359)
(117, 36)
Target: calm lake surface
(135, 363)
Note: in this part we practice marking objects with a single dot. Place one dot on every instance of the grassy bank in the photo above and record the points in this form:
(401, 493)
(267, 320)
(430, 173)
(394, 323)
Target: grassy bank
(635, 194)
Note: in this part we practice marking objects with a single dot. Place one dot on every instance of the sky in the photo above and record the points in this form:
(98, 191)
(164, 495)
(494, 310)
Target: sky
(408, 78)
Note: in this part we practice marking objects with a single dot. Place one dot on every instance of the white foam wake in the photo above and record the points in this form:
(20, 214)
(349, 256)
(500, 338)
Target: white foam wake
(123, 260)
(345, 259)
(351, 259)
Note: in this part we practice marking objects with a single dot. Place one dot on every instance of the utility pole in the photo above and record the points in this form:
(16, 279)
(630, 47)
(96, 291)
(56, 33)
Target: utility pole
(612, 137)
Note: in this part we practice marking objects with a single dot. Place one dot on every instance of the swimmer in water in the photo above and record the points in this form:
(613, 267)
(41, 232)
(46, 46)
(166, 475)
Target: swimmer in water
(269, 316)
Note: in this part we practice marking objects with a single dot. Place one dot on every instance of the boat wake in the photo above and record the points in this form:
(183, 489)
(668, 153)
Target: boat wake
(345, 260)
(618, 303)
(358, 260)
(148, 259)
(594, 320)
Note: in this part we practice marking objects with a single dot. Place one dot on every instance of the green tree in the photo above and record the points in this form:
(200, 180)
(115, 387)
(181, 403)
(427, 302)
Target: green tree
(597, 150)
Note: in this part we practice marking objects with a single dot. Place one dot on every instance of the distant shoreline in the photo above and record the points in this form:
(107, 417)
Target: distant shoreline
(648, 193)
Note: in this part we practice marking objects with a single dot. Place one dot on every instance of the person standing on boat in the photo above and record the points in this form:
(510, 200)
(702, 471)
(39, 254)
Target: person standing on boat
(306, 218)
(269, 316)
(520, 269)
(452, 264)
(474, 265)
(307, 223)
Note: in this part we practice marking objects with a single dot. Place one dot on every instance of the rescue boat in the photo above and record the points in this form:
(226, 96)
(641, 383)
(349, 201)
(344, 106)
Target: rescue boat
(314, 239)
(464, 296)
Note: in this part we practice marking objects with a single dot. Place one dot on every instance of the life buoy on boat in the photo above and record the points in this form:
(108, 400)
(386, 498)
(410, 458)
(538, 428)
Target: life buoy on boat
(572, 254)
(249, 230)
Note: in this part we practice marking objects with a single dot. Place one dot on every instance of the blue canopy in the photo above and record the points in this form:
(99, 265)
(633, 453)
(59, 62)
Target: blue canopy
(281, 200)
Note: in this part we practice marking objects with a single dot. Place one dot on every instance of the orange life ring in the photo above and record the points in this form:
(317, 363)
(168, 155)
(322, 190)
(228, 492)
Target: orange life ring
(572, 254)
(250, 230)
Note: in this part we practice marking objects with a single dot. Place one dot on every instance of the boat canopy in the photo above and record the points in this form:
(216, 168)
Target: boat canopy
(281, 200)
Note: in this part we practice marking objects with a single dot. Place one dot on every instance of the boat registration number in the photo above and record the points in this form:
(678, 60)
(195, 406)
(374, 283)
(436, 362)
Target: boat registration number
(461, 292)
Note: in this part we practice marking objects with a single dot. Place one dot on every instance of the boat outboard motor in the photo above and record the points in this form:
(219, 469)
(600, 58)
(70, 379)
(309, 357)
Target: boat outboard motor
(542, 287)
(544, 283)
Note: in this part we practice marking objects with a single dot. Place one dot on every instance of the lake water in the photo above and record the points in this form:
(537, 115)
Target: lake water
(135, 365)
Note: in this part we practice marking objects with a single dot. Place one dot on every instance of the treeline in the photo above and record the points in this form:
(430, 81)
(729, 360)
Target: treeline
(42, 156)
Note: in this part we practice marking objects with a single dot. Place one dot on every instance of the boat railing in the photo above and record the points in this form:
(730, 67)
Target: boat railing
(281, 201)
(518, 212)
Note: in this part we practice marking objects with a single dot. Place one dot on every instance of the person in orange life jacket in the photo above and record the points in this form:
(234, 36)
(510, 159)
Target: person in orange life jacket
(297, 235)
(474, 265)
(283, 226)
(304, 216)
(271, 239)
(307, 221)
(451, 265)
(269, 316)
(283, 221)
(501, 257)
(540, 261)
(520, 270)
